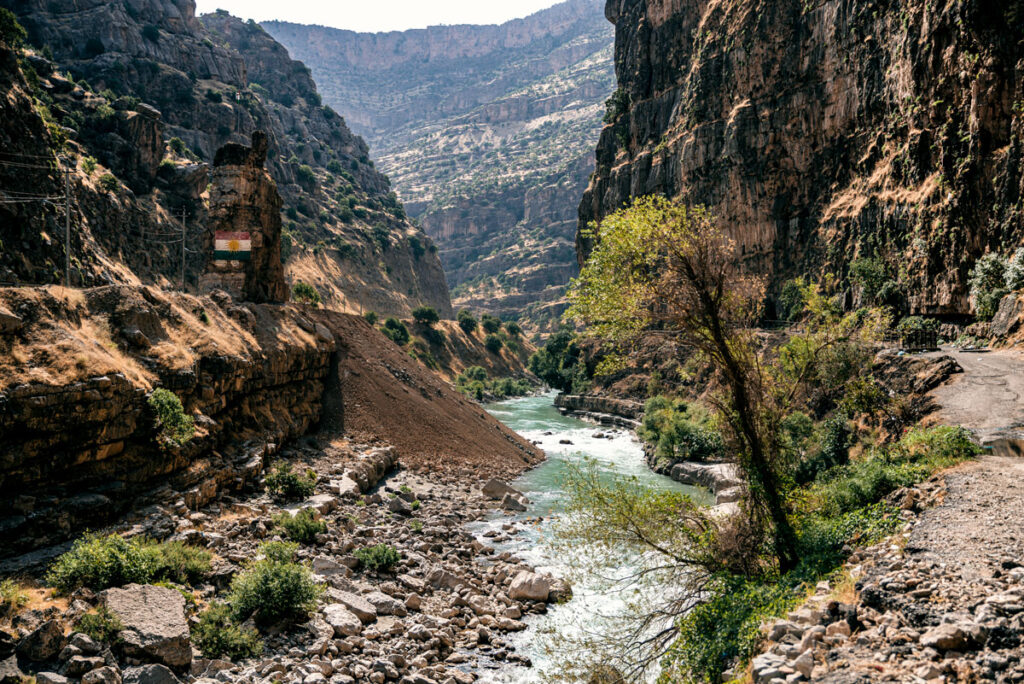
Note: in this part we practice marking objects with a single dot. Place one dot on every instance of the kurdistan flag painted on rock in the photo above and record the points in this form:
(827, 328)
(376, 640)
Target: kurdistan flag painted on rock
(228, 246)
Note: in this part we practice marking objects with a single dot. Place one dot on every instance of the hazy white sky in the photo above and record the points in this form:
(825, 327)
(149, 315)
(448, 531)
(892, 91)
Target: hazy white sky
(378, 15)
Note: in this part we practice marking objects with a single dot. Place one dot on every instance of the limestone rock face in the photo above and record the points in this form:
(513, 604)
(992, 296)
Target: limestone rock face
(819, 134)
(155, 627)
(243, 198)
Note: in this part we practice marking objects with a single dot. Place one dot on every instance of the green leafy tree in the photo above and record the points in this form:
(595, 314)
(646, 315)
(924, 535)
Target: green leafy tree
(396, 331)
(870, 276)
(371, 317)
(306, 294)
(490, 324)
(1015, 271)
(988, 284)
(493, 343)
(467, 321)
(11, 32)
(274, 588)
(425, 315)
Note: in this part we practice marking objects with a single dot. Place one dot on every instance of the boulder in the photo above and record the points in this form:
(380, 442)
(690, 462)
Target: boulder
(531, 586)
(358, 605)
(385, 605)
(43, 643)
(947, 637)
(50, 678)
(103, 675)
(155, 626)
(497, 490)
(149, 674)
(10, 673)
(342, 620)
(9, 323)
(511, 503)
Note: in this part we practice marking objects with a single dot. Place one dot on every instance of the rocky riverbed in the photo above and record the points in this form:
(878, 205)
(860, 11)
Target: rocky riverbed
(450, 601)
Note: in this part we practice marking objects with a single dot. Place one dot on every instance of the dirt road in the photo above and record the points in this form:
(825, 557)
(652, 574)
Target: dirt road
(988, 397)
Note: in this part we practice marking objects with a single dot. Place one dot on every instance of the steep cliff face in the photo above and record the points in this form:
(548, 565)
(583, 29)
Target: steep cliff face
(180, 89)
(822, 132)
(491, 148)
(79, 435)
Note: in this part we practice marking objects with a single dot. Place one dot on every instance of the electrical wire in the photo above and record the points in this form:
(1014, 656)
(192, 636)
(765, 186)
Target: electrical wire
(28, 156)
(20, 165)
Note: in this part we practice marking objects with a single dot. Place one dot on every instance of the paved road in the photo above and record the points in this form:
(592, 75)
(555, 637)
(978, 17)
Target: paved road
(988, 397)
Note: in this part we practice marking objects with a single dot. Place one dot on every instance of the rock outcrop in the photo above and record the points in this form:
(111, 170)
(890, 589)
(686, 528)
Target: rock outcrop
(80, 439)
(493, 148)
(155, 626)
(244, 199)
(819, 133)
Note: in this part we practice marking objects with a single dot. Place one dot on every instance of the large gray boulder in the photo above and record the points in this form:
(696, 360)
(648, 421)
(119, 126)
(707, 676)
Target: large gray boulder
(149, 674)
(342, 620)
(10, 673)
(155, 626)
(356, 604)
(531, 586)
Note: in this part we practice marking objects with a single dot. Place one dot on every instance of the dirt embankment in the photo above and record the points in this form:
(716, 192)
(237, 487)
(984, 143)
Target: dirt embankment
(378, 392)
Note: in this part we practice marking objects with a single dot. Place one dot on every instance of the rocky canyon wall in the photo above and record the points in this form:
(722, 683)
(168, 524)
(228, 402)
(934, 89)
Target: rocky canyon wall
(827, 131)
(80, 439)
(488, 134)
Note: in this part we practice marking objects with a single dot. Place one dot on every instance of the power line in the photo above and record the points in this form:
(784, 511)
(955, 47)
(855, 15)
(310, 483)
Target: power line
(21, 165)
(28, 156)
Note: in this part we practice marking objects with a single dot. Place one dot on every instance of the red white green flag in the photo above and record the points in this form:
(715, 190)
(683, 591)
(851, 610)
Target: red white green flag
(228, 246)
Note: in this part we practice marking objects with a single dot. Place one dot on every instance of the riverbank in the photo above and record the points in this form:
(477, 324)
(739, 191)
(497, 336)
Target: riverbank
(448, 602)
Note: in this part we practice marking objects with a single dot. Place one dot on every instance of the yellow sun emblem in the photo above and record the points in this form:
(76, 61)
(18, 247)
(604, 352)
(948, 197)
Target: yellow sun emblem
(233, 245)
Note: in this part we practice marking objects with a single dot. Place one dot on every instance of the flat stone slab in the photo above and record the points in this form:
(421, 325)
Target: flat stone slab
(155, 626)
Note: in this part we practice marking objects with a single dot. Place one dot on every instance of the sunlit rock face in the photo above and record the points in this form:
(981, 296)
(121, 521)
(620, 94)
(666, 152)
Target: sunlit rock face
(819, 134)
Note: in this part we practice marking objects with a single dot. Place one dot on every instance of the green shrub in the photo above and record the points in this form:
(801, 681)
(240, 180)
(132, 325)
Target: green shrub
(274, 588)
(101, 626)
(177, 146)
(416, 525)
(218, 636)
(303, 527)
(467, 321)
(99, 563)
(304, 293)
(792, 299)
(560, 362)
(379, 557)
(616, 105)
(513, 328)
(870, 276)
(286, 485)
(12, 598)
(835, 437)
(490, 324)
(11, 32)
(176, 428)
(178, 562)
(396, 331)
(917, 324)
(493, 343)
(89, 165)
(109, 182)
(425, 315)
(988, 284)
(371, 317)
(680, 431)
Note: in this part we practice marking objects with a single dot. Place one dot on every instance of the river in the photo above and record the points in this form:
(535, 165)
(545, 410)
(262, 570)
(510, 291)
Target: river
(618, 453)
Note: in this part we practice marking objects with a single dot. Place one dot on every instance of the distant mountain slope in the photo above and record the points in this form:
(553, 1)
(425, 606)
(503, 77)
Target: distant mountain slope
(157, 91)
(487, 133)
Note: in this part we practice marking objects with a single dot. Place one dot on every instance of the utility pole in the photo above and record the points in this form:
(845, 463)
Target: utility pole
(184, 217)
(67, 224)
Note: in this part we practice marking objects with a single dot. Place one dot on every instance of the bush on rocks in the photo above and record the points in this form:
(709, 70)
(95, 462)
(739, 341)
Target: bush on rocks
(379, 557)
(218, 636)
(274, 588)
(12, 598)
(467, 321)
(98, 563)
(303, 527)
(286, 485)
(176, 428)
(101, 626)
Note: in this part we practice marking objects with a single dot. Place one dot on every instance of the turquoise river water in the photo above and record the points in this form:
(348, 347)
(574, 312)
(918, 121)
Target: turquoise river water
(594, 597)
